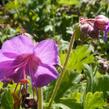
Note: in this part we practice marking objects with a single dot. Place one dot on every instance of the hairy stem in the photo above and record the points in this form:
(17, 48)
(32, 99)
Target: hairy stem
(40, 98)
(59, 81)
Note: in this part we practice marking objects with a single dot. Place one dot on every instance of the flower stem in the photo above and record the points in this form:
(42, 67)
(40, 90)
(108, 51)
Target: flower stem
(58, 83)
(40, 98)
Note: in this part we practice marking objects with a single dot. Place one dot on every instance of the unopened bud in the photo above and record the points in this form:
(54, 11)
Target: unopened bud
(101, 21)
(88, 29)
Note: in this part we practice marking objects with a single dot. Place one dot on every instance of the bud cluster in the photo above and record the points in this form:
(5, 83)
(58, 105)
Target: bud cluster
(91, 27)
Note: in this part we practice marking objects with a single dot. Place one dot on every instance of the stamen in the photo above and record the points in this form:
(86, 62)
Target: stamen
(24, 80)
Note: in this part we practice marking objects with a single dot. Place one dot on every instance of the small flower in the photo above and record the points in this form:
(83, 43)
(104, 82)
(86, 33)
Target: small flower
(106, 31)
(20, 57)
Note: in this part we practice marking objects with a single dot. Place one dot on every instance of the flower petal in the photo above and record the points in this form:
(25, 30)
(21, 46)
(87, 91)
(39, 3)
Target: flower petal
(6, 69)
(18, 45)
(44, 75)
(4, 58)
(106, 32)
(17, 76)
(47, 51)
(9, 71)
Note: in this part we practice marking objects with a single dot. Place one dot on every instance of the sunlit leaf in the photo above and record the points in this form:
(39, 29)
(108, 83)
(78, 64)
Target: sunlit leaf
(69, 2)
(79, 56)
(16, 4)
(94, 101)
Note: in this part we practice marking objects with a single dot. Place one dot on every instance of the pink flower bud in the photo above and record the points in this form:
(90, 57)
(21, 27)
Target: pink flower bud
(87, 27)
(101, 21)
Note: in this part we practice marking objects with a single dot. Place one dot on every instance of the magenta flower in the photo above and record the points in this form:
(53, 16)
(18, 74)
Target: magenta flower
(102, 23)
(20, 57)
(106, 31)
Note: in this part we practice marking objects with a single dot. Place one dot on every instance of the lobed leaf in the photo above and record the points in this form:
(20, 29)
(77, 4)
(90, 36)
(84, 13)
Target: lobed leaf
(94, 101)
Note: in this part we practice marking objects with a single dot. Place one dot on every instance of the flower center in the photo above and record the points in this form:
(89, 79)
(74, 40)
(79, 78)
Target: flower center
(26, 63)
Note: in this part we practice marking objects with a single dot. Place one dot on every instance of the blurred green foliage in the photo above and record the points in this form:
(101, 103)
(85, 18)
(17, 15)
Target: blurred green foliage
(7, 100)
(49, 18)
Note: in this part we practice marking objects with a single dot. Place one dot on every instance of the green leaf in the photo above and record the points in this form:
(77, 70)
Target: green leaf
(59, 106)
(7, 100)
(16, 4)
(80, 56)
(101, 83)
(94, 101)
(67, 83)
(69, 2)
(73, 100)
(71, 103)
